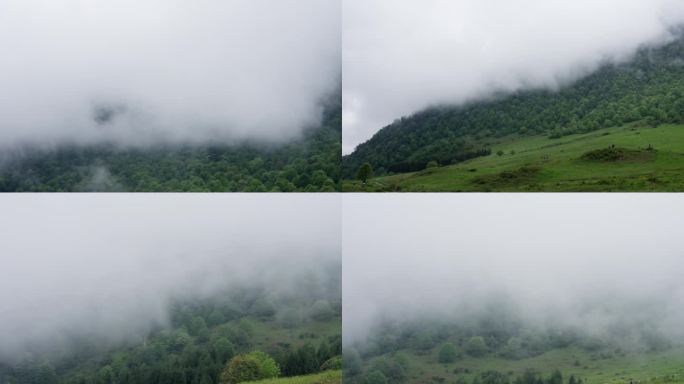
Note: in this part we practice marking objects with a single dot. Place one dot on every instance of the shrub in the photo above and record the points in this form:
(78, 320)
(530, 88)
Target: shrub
(332, 364)
(254, 366)
(447, 354)
(476, 346)
(375, 377)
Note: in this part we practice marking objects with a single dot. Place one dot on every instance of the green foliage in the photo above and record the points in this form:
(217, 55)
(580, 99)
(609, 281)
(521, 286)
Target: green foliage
(223, 350)
(647, 89)
(476, 346)
(193, 350)
(263, 308)
(375, 377)
(351, 363)
(268, 368)
(308, 164)
(321, 310)
(332, 364)
(241, 368)
(364, 172)
(447, 354)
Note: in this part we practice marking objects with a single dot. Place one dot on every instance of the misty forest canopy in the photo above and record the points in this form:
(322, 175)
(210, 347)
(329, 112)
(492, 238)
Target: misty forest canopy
(310, 163)
(648, 89)
(239, 335)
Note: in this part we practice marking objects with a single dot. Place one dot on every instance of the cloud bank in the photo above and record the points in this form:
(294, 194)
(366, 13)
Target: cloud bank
(108, 267)
(399, 58)
(164, 71)
(586, 262)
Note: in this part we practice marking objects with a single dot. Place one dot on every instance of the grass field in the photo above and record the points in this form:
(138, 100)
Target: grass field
(268, 333)
(621, 368)
(628, 158)
(328, 377)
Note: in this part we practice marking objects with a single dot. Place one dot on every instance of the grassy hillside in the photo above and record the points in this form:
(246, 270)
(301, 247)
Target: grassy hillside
(329, 377)
(633, 157)
(648, 89)
(593, 368)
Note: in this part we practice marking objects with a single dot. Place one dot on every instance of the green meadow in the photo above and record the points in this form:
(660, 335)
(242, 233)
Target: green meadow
(592, 368)
(627, 158)
(328, 377)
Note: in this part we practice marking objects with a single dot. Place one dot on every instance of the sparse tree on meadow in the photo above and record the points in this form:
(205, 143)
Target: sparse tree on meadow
(364, 173)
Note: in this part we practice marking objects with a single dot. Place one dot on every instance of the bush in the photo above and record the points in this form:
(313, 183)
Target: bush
(240, 368)
(476, 346)
(254, 366)
(375, 377)
(447, 354)
(332, 364)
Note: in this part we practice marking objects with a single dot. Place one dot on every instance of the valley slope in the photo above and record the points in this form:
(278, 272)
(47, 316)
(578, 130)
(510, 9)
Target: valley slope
(647, 91)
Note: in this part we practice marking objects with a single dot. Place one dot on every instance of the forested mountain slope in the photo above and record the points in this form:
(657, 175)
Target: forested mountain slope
(311, 163)
(208, 341)
(648, 88)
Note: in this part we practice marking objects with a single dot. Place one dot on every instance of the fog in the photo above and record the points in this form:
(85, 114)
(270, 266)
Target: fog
(109, 267)
(399, 58)
(137, 73)
(585, 262)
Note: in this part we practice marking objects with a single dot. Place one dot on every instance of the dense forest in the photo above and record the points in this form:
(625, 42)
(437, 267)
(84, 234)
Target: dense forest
(471, 349)
(311, 163)
(239, 335)
(648, 88)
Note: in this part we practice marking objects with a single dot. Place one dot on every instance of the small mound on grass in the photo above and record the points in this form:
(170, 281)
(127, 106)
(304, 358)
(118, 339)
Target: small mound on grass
(615, 154)
(520, 176)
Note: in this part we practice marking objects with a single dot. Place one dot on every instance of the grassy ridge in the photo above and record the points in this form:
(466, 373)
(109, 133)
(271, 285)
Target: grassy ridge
(328, 377)
(622, 368)
(641, 159)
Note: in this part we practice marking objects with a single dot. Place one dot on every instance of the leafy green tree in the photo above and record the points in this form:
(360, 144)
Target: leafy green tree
(263, 308)
(375, 377)
(239, 369)
(268, 368)
(216, 317)
(447, 354)
(364, 173)
(334, 363)
(351, 362)
(223, 350)
(476, 346)
(251, 367)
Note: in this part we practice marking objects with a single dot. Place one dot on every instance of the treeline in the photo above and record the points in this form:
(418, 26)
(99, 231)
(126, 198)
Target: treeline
(647, 89)
(311, 163)
(384, 374)
(239, 336)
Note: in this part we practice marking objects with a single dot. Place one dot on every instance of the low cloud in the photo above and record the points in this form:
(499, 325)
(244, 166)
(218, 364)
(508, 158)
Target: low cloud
(589, 263)
(108, 268)
(164, 72)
